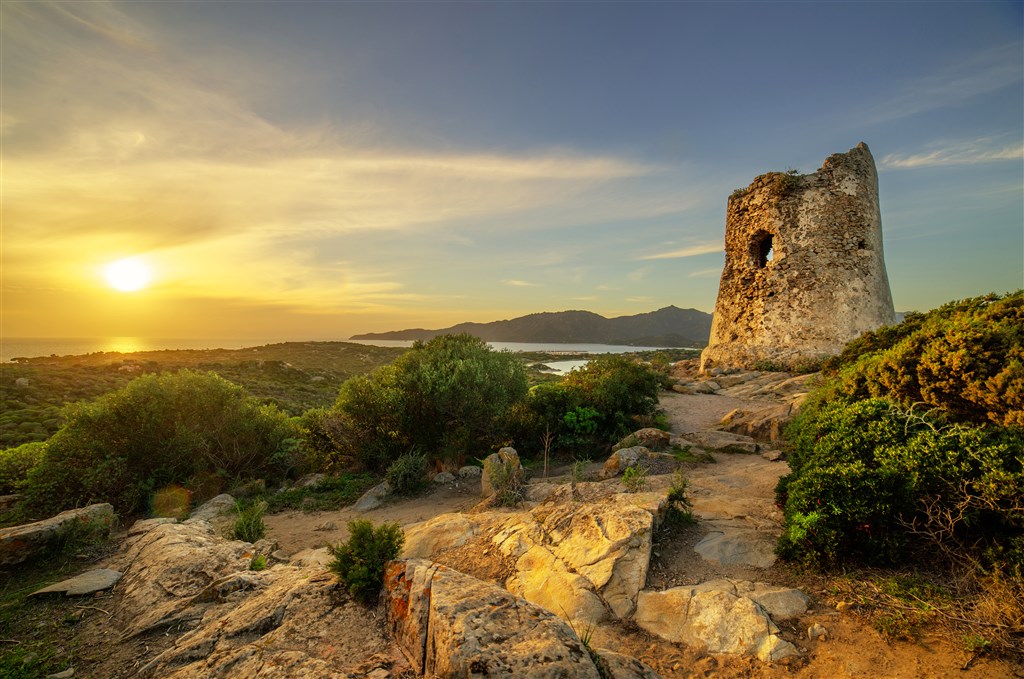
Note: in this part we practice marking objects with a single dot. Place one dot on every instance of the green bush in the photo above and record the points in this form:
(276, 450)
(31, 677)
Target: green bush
(869, 478)
(157, 431)
(506, 478)
(249, 526)
(15, 464)
(448, 396)
(617, 387)
(359, 562)
(408, 474)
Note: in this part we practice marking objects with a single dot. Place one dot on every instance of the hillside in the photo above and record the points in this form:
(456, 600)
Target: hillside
(670, 326)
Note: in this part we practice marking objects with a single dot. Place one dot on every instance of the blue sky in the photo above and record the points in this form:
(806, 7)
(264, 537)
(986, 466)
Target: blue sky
(313, 170)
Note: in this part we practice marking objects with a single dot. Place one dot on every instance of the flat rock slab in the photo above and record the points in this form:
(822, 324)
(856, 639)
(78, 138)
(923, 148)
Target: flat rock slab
(737, 548)
(21, 543)
(85, 583)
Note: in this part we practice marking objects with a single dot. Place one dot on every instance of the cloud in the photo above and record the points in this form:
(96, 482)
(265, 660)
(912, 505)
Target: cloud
(521, 284)
(690, 251)
(986, 72)
(974, 152)
(705, 273)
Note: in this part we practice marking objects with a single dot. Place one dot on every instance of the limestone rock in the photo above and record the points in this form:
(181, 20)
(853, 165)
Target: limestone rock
(470, 472)
(779, 602)
(737, 548)
(89, 582)
(424, 539)
(443, 477)
(20, 543)
(817, 631)
(619, 666)
(506, 457)
(312, 558)
(722, 440)
(623, 459)
(452, 625)
(649, 437)
(145, 525)
(716, 620)
(543, 579)
(217, 511)
(373, 498)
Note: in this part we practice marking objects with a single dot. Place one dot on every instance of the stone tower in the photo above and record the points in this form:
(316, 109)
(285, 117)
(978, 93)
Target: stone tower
(804, 271)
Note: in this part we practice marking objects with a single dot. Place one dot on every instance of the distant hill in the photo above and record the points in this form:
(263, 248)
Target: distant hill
(670, 326)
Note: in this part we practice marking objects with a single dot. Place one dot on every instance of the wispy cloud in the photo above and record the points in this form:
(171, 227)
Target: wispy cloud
(986, 72)
(689, 251)
(705, 273)
(521, 284)
(973, 152)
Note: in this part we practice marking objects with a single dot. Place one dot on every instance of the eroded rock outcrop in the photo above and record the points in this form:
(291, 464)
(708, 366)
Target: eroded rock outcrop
(21, 543)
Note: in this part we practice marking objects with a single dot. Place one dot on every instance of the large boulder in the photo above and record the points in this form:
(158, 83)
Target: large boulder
(778, 602)
(623, 459)
(21, 543)
(373, 498)
(452, 625)
(649, 437)
(427, 538)
(717, 620)
(507, 458)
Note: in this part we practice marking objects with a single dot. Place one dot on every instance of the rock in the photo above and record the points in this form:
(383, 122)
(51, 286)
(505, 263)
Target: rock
(682, 389)
(779, 602)
(737, 548)
(716, 620)
(701, 388)
(214, 511)
(443, 477)
(423, 540)
(623, 459)
(326, 526)
(146, 525)
(8, 501)
(618, 666)
(22, 382)
(66, 674)
(20, 543)
(89, 582)
(291, 623)
(765, 424)
(649, 437)
(722, 440)
(817, 631)
(539, 492)
(844, 606)
(712, 385)
(167, 566)
(373, 498)
(310, 480)
(312, 558)
(470, 472)
(507, 457)
(452, 625)
(772, 455)
(543, 579)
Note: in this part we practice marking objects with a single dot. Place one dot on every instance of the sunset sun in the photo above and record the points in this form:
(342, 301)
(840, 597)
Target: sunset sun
(127, 275)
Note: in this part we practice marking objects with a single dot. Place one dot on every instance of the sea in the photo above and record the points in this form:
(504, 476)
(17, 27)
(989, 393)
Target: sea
(30, 347)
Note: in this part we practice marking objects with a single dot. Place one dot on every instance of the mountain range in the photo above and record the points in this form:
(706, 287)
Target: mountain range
(670, 326)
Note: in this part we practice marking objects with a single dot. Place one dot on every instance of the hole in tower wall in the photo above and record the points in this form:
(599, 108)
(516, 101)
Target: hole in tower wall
(762, 250)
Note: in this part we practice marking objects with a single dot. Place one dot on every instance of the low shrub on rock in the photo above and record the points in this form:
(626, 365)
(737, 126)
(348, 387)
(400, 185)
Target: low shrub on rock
(359, 562)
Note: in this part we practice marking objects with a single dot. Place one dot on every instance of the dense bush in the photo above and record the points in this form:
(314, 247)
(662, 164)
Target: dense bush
(359, 562)
(15, 464)
(965, 358)
(159, 430)
(915, 440)
(448, 396)
(408, 474)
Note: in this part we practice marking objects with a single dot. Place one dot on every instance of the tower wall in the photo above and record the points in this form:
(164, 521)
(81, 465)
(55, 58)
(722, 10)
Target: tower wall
(804, 269)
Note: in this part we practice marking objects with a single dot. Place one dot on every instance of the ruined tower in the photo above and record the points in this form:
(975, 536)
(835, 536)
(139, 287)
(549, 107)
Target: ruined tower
(804, 271)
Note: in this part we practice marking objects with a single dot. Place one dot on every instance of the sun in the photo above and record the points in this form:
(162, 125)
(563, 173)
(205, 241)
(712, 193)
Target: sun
(127, 275)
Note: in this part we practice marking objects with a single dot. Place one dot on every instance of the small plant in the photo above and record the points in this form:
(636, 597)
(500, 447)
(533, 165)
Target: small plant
(578, 470)
(976, 644)
(249, 526)
(586, 635)
(680, 509)
(506, 479)
(407, 474)
(359, 562)
(258, 563)
(634, 478)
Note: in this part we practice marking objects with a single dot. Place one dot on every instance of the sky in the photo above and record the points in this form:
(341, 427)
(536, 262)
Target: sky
(312, 170)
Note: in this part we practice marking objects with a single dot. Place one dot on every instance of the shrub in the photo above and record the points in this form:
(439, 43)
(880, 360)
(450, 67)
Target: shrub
(157, 431)
(869, 477)
(448, 396)
(258, 562)
(407, 475)
(249, 526)
(15, 464)
(680, 509)
(618, 388)
(359, 562)
(506, 478)
(634, 479)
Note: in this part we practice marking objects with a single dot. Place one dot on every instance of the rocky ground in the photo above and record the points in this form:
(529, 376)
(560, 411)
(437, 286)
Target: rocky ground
(606, 560)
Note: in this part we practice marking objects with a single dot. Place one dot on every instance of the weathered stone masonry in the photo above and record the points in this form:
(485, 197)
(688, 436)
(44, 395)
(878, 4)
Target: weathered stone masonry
(804, 271)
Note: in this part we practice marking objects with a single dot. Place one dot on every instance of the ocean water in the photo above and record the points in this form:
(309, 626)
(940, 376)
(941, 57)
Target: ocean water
(30, 347)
